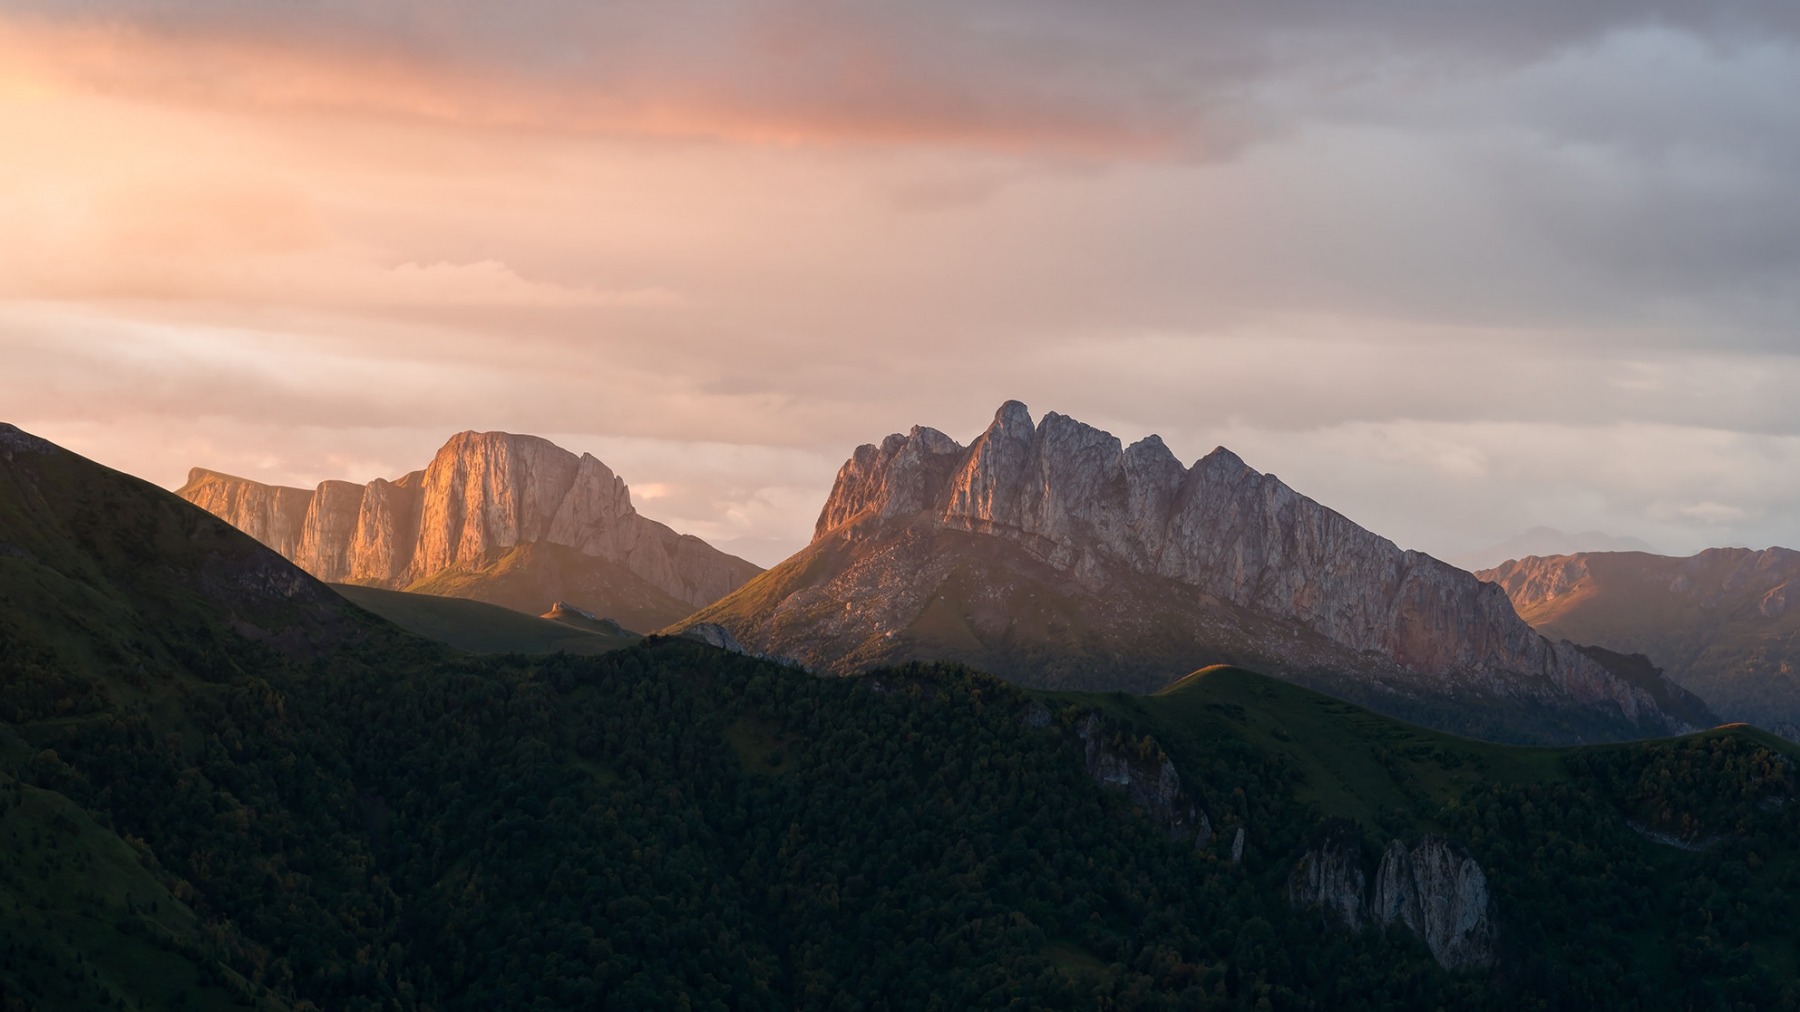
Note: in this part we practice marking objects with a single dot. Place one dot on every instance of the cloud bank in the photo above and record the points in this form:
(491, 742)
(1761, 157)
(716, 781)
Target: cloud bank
(1454, 269)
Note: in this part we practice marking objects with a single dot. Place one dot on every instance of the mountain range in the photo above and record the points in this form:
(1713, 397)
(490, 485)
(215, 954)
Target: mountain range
(1053, 555)
(508, 519)
(1724, 623)
(223, 785)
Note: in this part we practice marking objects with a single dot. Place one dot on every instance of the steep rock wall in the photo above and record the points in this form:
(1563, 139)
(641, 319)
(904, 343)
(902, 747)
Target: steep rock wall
(1434, 889)
(483, 493)
(1440, 893)
(1074, 497)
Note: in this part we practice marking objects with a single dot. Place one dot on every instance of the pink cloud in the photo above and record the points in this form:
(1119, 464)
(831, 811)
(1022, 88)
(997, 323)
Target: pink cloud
(779, 83)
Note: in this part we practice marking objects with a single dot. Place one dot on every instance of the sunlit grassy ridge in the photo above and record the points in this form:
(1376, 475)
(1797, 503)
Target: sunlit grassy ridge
(528, 578)
(478, 627)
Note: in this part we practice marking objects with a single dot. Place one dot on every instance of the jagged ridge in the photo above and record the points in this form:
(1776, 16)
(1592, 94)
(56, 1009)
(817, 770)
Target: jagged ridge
(1299, 586)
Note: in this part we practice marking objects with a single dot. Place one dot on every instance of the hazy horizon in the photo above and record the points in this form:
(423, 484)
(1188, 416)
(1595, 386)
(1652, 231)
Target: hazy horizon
(1455, 272)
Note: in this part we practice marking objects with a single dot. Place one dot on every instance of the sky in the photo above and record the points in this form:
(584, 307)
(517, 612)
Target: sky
(1455, 270)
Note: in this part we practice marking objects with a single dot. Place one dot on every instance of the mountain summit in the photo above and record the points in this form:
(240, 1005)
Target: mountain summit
(1052, 554)
(511, 519)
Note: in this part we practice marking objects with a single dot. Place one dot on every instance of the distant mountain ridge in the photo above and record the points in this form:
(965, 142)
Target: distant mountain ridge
(511, 519)
(1050, 553)
(1546, 541)
(1724, 622)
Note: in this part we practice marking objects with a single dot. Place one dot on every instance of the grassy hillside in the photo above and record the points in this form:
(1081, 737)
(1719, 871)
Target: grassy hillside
(1349, 761)
(481, 628)
(117, 598)
(529, 578)
(115, 593)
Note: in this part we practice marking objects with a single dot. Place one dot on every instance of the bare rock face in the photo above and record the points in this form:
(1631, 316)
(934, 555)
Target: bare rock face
(484, 493)
(271, 514)
(1245, 568)
(1434, 889)
(1071, 495)
(1330, 877)
(1147, 776)
(715, 636)
(387, 529)
(1438, 892)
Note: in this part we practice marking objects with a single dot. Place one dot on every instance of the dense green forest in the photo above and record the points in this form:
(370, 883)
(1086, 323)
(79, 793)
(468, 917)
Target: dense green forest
(674, 825)
(221, 786)
(390, 827)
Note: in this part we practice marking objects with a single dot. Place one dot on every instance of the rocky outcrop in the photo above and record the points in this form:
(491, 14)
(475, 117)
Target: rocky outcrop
(928, 546)
(714, 636)
(1331, 878)
(1146, 775)
(1720, 622)
(1434, 889)
(271, 514)
(1437, 891)
(483, 494)
(581, 618)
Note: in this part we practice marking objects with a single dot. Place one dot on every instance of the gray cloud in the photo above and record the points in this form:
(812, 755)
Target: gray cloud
(1189, 77)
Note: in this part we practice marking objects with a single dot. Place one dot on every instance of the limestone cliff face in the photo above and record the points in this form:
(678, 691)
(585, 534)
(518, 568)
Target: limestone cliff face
(1074, 498)
(1330, 877)
(1440, 893)
(486, 491)
(271, 514)
(1433, 889)
(483, 493)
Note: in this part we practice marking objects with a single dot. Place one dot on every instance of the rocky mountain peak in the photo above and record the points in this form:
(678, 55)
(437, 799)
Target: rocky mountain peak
(1151, 451)
(1012, 419)
(488, 490)
(483, 493)
(1223, 461)
(1071, 496)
